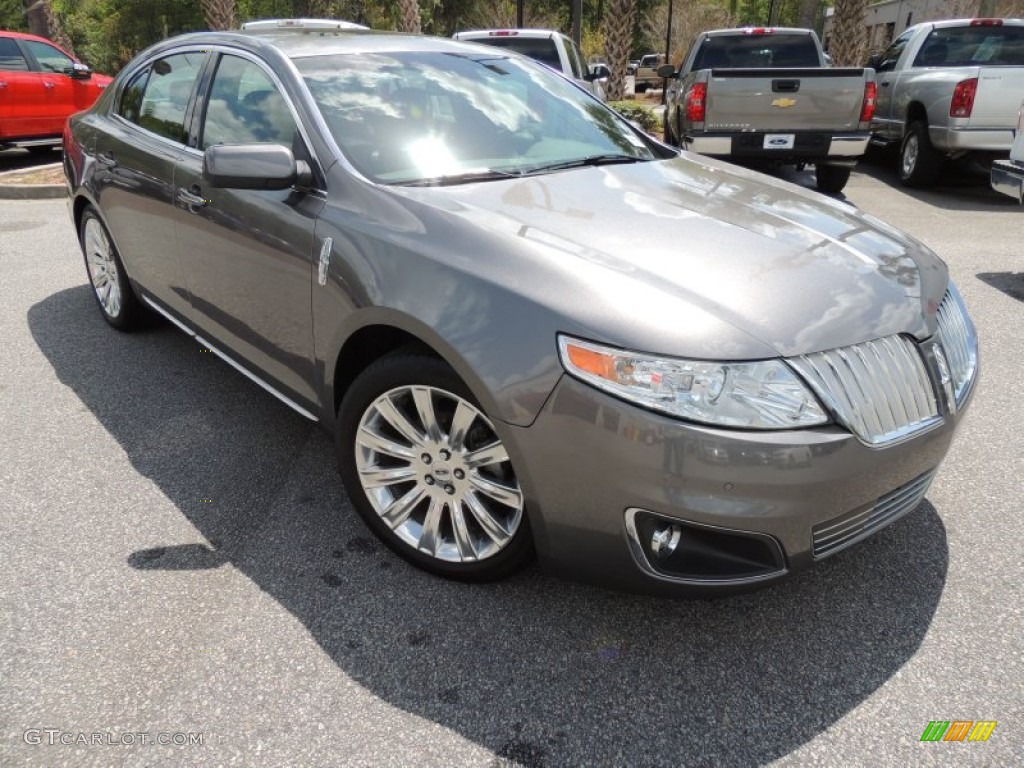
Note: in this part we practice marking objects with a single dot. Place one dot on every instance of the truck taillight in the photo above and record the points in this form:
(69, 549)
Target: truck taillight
(695, 97)
(867, 107)
(759, 31)
(986, 22)
(963, 98)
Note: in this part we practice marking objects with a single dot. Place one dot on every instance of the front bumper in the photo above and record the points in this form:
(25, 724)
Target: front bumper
(1008, 177)
(589, 459)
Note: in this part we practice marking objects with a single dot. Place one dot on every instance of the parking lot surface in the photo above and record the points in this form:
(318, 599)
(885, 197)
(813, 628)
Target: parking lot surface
(181, 564)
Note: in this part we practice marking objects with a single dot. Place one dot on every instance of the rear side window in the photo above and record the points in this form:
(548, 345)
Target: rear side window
(972, 46)
(539, 49)
(165, 95)
(11, 58)
(757, 52)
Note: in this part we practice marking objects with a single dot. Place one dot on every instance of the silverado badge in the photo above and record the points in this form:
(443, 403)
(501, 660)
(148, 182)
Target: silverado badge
(783, 103)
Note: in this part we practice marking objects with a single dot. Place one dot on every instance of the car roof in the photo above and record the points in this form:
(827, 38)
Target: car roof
(26, 36)
(302, 43)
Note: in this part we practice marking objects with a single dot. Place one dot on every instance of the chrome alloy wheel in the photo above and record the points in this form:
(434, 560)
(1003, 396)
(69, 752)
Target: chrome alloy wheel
(436, 473)
(99, 259)
(911, 149)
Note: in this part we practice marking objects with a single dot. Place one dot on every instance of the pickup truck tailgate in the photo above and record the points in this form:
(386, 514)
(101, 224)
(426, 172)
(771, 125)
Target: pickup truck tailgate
(784, 99)
(998, 97)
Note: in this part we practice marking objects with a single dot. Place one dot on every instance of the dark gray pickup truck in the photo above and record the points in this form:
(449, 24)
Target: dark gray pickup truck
(767, 94)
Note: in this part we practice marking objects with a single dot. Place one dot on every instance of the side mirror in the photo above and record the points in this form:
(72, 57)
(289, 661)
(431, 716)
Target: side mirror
(254, 166)
(666, 71)
(78, 71)
(591, 77)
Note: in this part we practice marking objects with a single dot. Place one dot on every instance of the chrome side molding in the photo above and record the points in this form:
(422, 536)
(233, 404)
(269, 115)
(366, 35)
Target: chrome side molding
(245, 372)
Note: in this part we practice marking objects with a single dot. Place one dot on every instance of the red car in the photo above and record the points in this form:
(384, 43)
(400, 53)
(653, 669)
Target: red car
(40, 86)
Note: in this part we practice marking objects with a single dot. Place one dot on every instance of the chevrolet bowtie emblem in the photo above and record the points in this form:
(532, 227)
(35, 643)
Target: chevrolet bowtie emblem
(783, 103)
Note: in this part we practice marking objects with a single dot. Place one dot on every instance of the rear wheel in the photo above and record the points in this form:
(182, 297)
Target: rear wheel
(919, 162)
(426, 470)
(109, 281)
(831, 179)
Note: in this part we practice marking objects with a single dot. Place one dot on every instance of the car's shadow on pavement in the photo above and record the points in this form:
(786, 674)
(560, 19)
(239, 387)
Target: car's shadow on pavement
(540, 671)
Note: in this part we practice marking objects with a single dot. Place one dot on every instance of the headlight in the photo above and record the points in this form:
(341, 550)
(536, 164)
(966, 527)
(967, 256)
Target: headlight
(760, 395)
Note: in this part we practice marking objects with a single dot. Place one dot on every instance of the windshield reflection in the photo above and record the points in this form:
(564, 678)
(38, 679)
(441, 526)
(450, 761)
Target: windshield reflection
(411, 117)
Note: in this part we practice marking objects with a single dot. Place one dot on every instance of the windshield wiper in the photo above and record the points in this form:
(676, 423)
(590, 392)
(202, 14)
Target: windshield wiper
(608, 159)
(483, 174)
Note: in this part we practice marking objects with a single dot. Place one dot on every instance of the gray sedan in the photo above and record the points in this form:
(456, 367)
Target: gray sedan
(532, 329)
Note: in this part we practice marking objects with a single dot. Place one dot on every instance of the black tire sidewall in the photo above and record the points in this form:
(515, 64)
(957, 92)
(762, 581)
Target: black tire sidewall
(925, 170)
(398, 370)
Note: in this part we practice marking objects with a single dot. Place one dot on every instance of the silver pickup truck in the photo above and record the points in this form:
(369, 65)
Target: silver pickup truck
(767, 94)
(948, 89)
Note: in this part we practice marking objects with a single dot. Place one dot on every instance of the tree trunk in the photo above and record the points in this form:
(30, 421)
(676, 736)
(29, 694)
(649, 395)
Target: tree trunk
(808, 15)
(618, 33)
(219, 14)
(409, 16)
(848, 46)
(35, 13)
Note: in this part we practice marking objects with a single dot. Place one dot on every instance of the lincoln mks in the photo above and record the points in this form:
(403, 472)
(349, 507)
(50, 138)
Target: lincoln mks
(533, 330)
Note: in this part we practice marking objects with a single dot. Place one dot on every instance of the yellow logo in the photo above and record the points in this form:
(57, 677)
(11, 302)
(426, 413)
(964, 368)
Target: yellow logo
(783, 103)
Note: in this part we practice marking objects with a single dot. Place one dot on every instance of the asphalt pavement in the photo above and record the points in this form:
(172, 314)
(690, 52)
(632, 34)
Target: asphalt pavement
(181, 564)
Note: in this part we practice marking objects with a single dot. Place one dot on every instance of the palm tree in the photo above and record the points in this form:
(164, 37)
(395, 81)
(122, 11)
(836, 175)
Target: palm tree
(409, 16)
(219, 14)
(618, 22)
(848, 45)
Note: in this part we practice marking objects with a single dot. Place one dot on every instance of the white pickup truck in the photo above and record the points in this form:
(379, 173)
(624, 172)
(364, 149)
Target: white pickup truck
(766, 95)
(948, 89)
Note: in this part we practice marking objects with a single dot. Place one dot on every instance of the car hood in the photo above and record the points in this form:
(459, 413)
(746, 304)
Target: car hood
(667, 241)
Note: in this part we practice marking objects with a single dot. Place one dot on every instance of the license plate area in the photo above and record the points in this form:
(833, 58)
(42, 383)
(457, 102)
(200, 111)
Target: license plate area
(779, 140)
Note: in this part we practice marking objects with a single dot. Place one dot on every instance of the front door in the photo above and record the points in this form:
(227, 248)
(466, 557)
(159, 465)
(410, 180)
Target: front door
(248, 255)
(21, 93)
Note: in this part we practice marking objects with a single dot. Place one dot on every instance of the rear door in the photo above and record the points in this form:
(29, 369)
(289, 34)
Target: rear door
(248, 255)
(136, 155)
(21, 93)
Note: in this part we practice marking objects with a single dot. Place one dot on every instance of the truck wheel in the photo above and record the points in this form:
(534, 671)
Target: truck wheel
(919, 162)
(670, 135)
(831, 179)
(640, 88)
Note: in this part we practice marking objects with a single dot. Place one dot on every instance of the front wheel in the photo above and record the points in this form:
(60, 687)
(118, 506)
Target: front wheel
(426, 470)
(831, 179)
(919, 162)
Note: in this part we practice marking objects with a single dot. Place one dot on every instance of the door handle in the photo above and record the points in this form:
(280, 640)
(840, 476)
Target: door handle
(191, 198)
(106, 159)
(48, 86)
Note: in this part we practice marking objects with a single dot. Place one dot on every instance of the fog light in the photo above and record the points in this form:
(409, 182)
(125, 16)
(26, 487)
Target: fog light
(665, 540)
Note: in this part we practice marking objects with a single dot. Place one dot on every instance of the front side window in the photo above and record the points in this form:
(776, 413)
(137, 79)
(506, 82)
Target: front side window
(891, 55)
(412, 117)
(166, 94)
(130, 106)
(11, 57)
(49, 58)
(246, 106)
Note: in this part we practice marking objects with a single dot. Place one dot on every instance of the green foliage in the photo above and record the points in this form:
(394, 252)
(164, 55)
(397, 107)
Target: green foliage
(12, 15)
(637, 113)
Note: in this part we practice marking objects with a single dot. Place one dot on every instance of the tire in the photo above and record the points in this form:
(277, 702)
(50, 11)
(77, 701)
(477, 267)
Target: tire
(111, 288)
(919, 162)
(831, 179)
(428, 474)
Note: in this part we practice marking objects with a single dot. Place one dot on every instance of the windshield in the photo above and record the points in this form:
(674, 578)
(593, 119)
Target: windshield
(411, 117)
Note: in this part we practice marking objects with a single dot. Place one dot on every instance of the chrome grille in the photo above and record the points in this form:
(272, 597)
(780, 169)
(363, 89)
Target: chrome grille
(956, 332)
(843, 531)
(880, 389)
